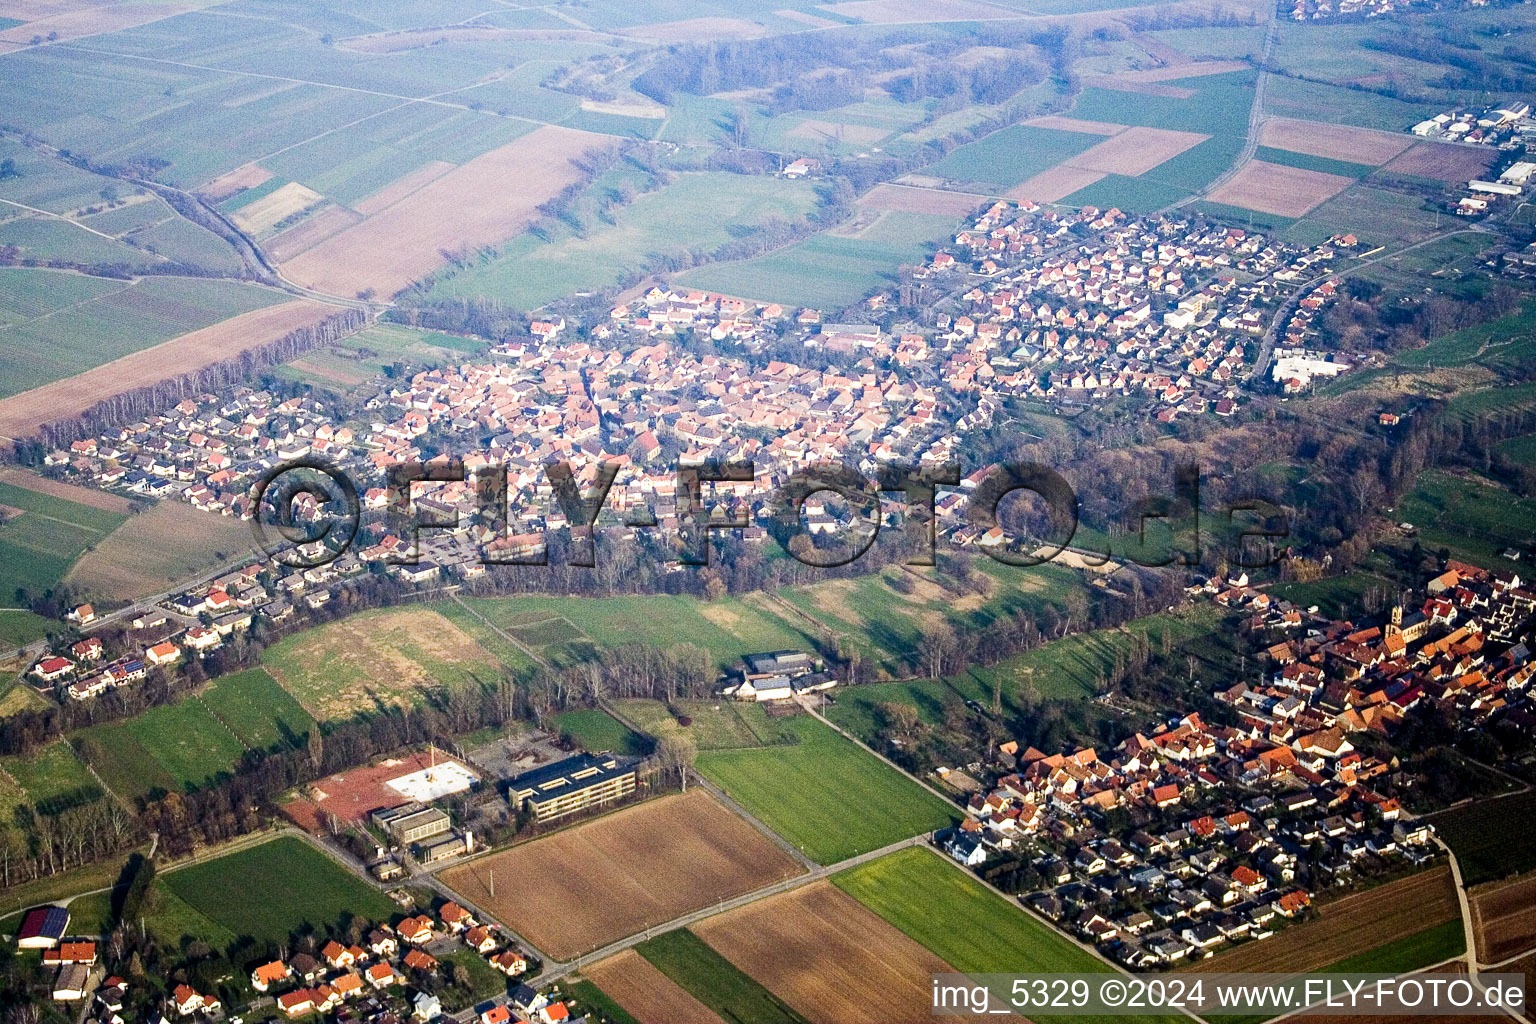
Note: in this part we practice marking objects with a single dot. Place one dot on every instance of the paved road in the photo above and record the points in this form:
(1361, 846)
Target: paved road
(1267, 346)
(1256, 117)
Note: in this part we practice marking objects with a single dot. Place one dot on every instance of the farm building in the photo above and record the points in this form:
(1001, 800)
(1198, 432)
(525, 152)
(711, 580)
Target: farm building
(573, 784)
(1498, 188)
(42, 928)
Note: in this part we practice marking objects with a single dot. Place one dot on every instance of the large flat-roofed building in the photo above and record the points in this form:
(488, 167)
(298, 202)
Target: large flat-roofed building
(411, 823)
(573, 784)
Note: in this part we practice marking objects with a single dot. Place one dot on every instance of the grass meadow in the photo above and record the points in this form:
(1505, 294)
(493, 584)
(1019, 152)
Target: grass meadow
(41, 538)
(827, 271)
(714, 207)
(299, 888)
(977, 931)
(196, 741)
(825, 794)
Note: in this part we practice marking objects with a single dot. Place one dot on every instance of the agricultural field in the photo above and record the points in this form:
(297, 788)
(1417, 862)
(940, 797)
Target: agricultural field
(56, 324)
(351, 364)
(884, 623)
(465, 209)
(952, 913)
(16, 695)
(587, 886)
(154, 549)
(1479, 834)
(828, 271)
(41, 535)
(18, 627)
(1214, 106)
(1318, 101)
(21, 414)
(1006, 158)
(564, 631)
(714, 981)
(1520, 450)
(712, 724)
(644, 992)
(377, 659)
(1065, 669)
(1512, 337)
(720, 207)
(1279, 189)
(971, 928)
(167, 749)
(596, 730)
(1504, 919)
(1351, 929)
(52, 778)
(1378, 216)
(302, 889)
(196, 741)
(803, 791)
(827, 956)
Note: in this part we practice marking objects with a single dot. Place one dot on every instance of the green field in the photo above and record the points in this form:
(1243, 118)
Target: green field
(1474, 518)
(824, 794)
(38, 545)
(21, 627)
(52, 777)
(198, 740)
(713, 980)
(44, 183)
(716, 206)
(1337, 596)
(272, 891)
(596, 730)
(585, 997)
(167, 749)
(354, 362)
(827, 271)
(59, 338)
(1486, 837)
(566, 630)
(1308, 162)
(713, 724)
(1378, 216)
(1408, 953)
(1512, 337)
(884, 624)
(335, 671)
(1316, 101)
(1219, 108)
(976, 931)
(1005, 158)
(1520, 450)
(1067, 669)
(263, 715)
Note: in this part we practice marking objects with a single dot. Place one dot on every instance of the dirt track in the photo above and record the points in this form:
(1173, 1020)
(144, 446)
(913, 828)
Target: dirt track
(1504, 917)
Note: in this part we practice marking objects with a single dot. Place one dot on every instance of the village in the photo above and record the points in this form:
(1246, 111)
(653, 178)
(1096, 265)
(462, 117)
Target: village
(1070, 310)
(1178, 843)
